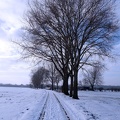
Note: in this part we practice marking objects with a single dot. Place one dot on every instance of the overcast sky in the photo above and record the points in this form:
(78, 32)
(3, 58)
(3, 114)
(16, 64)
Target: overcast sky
(15, 71)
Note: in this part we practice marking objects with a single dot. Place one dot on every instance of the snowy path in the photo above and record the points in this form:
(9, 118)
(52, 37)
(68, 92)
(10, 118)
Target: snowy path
(53, 109)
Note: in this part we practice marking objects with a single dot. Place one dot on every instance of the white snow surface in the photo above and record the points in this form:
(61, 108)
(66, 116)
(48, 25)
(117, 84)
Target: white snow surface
(27, 104)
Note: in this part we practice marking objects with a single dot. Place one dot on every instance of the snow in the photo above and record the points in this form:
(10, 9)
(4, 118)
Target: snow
(53, 111)
(97, 105)
(27, 104)
(20, 103)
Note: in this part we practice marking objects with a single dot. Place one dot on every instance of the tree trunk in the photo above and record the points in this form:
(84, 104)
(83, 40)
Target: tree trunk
(52, 83)
(71, 86)
(65, 85)
(75, 93)
(57, 86)
(92, 87)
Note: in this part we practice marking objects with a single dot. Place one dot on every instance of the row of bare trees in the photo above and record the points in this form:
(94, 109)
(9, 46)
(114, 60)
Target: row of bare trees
(71, 34)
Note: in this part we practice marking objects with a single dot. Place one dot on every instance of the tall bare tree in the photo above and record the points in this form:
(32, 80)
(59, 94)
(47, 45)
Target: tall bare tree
(58, 79)
(68, 33)
(54, 76)
(93, 76)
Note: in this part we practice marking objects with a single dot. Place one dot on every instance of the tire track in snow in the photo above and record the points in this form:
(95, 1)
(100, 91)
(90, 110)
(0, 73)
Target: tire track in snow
(28, 112)
(49, 110)
(42, 114)
(68, 118)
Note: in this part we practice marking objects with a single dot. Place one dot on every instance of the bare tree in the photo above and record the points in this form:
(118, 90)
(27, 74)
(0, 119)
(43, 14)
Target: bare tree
(80, 83)
(54, 76)
(69, 33)
(93, 76)
(39, 76)
(58, 78)
(93, 33)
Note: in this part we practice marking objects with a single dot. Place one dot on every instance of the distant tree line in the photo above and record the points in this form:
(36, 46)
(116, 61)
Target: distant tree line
(41, 77)
(100, 88)
(70, 34)
(14, 85)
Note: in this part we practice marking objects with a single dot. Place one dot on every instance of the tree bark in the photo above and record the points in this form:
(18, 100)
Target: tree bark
(52, 83)
(75, 93)
(71, 86)
(65, 85)
(57, 86)
(92, 87)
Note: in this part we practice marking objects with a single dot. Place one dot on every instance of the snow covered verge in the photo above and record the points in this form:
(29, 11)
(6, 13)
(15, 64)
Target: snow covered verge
(21, 103)
(95, 105)
(26, 104)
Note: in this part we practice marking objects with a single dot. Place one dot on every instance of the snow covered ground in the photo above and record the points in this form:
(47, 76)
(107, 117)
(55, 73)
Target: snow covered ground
(27, 104)
(20, 103)
(96, 105)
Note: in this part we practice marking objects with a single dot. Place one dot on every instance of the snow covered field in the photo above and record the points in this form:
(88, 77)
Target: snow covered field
(27, 104)
(97, 105)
